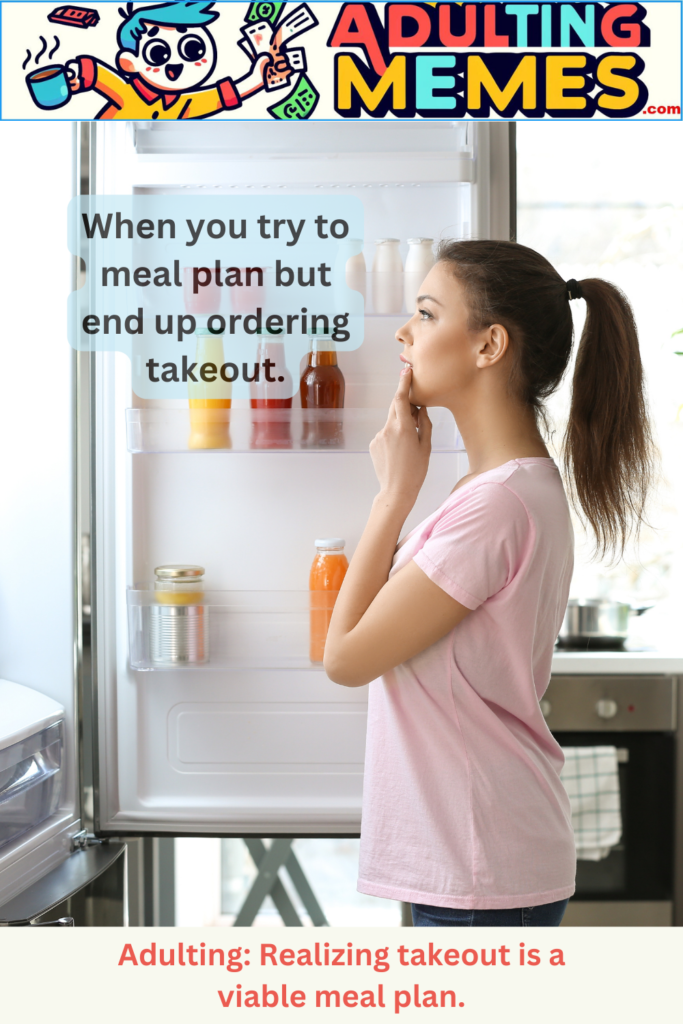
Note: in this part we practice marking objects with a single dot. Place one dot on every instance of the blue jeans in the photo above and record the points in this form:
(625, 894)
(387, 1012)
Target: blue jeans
(548, 915)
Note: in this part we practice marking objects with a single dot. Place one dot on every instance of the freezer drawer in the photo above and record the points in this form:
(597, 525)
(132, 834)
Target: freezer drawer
(31, 756)
(30, 781)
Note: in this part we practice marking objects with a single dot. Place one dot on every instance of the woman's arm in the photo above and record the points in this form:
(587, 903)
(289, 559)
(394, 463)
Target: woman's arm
(378, 623)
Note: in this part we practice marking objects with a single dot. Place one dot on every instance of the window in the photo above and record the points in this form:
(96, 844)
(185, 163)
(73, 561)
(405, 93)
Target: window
(607, 201)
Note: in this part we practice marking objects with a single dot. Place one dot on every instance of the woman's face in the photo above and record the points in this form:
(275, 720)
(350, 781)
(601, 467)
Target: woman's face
(444, 354)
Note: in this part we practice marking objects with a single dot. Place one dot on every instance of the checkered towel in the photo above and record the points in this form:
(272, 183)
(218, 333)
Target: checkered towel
(591, 778)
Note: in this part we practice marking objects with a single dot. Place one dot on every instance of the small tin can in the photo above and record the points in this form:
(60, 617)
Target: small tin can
(179, 627)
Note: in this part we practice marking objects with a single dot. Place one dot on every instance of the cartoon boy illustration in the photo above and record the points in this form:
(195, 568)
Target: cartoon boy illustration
(165, 54)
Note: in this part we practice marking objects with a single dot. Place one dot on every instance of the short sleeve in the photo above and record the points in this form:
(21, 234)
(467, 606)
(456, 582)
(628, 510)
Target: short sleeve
(477, 547)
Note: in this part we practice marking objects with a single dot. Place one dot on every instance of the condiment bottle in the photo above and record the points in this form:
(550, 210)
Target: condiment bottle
(419, 262)
(271, 424)
(327, 575)
(179, 620)
(206, 300)
(209, 400)
(322, 389)
(387, 277)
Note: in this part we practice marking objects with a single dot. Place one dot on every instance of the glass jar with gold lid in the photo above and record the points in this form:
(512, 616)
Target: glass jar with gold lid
(179, 622)
(179, 584)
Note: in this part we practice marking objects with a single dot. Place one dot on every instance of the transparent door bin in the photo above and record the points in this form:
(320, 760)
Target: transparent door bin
(244, 630)
(30, 781)
(272, 430)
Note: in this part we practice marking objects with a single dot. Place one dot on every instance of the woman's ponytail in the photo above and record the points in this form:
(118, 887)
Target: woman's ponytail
(608, 452)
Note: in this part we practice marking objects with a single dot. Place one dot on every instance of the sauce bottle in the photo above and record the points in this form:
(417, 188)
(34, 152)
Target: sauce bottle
(327, 575)
(209, 400)
(322, 389)
(272, 422)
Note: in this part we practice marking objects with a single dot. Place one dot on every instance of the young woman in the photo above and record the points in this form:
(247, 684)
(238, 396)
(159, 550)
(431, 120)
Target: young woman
(464, 814)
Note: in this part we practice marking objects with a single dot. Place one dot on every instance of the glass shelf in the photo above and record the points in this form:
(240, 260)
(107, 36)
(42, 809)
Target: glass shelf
(270, 430)
(230, 630)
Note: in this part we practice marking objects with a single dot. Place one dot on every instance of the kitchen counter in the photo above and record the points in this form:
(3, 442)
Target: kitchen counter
(617, 663)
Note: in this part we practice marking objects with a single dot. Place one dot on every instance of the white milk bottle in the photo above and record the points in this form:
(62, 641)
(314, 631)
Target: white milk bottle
(387, 277)
(419, 262)
(353, 265)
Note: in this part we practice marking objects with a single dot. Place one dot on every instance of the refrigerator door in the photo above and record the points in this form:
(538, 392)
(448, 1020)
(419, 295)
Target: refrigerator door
(252, 737)
(38, 728)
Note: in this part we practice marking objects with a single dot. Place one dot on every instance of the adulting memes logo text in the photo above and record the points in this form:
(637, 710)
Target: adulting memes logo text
(166, 54)
(200, 59)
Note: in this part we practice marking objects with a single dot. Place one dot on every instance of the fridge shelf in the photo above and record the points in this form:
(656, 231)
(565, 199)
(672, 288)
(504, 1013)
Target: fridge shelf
(269, 430)
(230, 630)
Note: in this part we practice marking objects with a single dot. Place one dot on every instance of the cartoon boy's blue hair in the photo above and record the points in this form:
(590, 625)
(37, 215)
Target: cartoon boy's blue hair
(186, 15)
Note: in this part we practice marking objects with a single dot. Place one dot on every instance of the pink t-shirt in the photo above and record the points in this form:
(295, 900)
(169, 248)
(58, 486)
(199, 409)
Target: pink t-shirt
(463, 804)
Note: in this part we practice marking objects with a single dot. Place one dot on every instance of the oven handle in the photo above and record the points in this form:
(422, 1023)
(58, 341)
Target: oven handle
(622, 755)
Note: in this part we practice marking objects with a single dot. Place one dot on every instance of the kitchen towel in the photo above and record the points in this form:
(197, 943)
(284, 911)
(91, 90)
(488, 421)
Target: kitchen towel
(591, 778)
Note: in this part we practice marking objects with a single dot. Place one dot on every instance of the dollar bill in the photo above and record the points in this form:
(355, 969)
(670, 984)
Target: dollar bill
(299, 105)
(264, 12)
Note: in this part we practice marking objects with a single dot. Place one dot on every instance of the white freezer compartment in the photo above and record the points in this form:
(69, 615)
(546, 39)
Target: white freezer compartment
(304, 154)
(31, 754)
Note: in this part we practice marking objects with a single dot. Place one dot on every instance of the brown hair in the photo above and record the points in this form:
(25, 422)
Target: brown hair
(607, 452)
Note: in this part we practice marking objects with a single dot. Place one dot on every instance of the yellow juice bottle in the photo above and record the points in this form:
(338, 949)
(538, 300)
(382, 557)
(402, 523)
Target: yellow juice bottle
(209, 399)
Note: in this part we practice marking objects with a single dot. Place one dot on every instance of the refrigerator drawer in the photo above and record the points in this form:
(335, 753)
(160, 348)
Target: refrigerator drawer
(30, 781)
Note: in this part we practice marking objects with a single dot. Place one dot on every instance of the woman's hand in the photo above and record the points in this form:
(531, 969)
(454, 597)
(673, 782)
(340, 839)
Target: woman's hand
(379, 622)
(400, 452)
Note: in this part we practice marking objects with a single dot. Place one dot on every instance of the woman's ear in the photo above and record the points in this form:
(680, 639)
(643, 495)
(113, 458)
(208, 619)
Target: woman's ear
(494, 343)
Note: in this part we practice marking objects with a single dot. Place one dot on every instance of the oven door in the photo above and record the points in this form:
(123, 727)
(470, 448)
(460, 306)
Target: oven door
(633, 885)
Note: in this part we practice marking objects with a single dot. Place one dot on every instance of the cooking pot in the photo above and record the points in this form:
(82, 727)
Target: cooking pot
(597, 623)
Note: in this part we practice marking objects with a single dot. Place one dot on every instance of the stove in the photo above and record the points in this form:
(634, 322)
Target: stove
(635, 883)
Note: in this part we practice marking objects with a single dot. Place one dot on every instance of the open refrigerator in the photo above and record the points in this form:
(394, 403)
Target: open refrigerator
(254, 740)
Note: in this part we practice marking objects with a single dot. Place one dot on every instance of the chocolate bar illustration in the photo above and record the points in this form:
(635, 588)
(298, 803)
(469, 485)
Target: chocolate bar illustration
(78, 17)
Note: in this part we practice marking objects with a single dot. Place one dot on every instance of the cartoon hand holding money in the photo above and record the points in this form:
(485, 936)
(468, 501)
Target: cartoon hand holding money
(263, 37)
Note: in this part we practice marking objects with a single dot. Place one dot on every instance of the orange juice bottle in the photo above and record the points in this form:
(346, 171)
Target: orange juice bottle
(327, 574)
(209, 400)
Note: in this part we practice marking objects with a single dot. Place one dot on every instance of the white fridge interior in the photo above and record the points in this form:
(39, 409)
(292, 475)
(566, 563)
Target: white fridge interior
(257, 740)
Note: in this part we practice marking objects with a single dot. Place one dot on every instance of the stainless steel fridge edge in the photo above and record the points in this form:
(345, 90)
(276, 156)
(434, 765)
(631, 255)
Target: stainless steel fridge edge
(495, 200)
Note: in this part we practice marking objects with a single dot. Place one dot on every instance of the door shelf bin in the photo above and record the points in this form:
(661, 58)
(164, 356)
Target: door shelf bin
(270, 430)
(241, 630)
